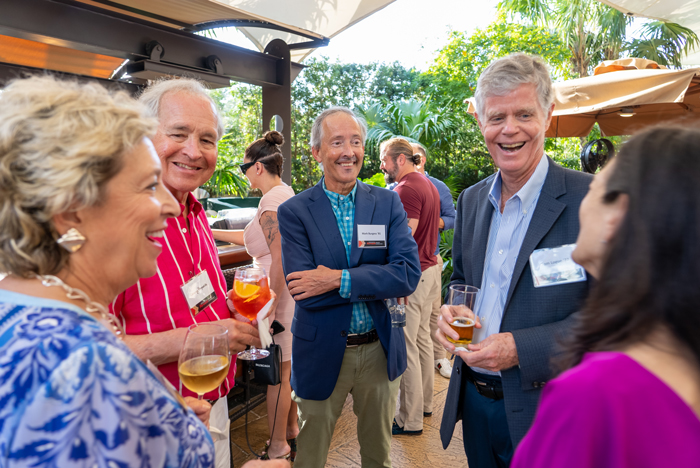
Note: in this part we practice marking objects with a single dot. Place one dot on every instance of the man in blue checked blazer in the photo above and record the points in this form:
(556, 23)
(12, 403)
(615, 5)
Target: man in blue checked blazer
(346, 246)
(530, 204)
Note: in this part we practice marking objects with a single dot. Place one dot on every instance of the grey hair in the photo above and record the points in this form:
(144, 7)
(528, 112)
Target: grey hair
(420, 149)
(508, 73)
(60, 144)
(153, 95)
(317, 127)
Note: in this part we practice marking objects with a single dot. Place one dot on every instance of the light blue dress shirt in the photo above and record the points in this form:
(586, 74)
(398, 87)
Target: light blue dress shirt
(506, 236)
(344, 210)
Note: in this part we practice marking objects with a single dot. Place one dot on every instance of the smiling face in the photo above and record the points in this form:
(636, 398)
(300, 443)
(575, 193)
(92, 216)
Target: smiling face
(186, 142)
(513, 126)
(341, 152)
(124, 230)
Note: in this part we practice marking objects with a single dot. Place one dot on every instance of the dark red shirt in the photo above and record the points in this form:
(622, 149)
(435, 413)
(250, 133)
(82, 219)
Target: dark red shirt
(421, 201)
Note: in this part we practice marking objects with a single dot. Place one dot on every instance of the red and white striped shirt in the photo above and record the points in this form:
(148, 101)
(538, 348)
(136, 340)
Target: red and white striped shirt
(157, 304)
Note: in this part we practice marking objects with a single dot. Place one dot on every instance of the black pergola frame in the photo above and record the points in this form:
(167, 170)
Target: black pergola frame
(88, 28)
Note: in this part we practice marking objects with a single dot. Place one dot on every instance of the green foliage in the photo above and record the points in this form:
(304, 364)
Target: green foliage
(662, 42)
(417, 121)
(458, 65)
(445, 250)
(377, 180)
(323, 84)
(593, 32)
(227, 179)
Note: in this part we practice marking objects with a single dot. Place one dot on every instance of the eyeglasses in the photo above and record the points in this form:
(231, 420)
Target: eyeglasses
(245, 166)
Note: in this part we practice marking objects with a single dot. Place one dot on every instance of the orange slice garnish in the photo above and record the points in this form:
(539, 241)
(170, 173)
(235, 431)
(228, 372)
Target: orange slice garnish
(245, 290)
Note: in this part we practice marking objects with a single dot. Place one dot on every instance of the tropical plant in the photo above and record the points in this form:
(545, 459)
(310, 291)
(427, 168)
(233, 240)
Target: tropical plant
(445, 250)
(594, 32)
(377, 180)
(227, 179)
(417, 121)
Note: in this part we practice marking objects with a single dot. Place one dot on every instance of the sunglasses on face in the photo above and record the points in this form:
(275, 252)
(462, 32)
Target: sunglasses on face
(245, 166)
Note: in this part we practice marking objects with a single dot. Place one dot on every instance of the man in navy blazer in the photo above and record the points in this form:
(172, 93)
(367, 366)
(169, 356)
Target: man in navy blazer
(346, 246)
(530, 204)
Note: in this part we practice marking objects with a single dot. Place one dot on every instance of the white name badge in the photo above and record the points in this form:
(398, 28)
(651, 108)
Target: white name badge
(199, 292)
(554, 266)
(371, 236)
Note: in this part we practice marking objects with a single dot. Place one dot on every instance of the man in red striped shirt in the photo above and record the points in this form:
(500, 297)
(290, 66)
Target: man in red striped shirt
(154, 312)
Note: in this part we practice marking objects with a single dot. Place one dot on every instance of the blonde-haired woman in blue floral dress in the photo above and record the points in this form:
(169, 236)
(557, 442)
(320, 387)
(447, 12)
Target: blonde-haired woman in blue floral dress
(82, 207)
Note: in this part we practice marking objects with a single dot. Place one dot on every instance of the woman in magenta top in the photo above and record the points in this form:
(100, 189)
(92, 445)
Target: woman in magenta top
(631, 394)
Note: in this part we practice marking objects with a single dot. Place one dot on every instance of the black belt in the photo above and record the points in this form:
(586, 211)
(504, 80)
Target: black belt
(492, 390)
(362, 338)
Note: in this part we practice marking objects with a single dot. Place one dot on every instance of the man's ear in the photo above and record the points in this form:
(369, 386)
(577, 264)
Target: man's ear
(478, 122)
(315, 154)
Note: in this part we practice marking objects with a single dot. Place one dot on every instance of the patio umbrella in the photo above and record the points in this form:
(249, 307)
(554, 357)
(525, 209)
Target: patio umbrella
(623, 97)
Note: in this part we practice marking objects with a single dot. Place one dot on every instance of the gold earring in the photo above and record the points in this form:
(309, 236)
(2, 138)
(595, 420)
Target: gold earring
(72, 240)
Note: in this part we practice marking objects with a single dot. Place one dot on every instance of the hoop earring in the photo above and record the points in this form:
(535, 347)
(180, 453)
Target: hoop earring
(72, 240)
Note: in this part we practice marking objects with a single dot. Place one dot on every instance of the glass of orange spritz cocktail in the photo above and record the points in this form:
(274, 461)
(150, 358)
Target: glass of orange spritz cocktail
(250, 293)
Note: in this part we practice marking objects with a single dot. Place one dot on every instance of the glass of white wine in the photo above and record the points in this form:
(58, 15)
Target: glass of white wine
(204, 358)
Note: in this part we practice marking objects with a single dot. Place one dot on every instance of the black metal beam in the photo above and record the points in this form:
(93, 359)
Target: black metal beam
(9, 71)
(239, 23)
(92, 29)
(277, 101)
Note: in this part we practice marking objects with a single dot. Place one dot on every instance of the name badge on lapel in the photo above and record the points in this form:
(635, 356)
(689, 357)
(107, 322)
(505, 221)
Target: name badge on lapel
(371, 236)
(554, 266)
(199, 292)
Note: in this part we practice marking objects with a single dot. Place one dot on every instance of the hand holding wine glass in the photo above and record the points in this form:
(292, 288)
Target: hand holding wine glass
(250, 293)
(204, 359)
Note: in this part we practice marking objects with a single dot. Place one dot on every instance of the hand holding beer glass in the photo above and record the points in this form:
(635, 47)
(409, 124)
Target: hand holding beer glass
(462, 319)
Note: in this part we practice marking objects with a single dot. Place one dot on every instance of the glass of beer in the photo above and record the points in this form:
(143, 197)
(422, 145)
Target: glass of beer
(250, 293)
(462, 297)
(204, 359)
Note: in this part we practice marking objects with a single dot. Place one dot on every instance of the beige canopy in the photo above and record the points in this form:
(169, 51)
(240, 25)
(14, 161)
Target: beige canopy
(625, 96)
(303, 24)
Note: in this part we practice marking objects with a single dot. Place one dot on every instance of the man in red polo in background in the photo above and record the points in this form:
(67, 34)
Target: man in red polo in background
(155, 312)
(421, 201)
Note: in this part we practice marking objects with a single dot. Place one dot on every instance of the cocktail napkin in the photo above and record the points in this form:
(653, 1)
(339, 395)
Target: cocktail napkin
(264, 325)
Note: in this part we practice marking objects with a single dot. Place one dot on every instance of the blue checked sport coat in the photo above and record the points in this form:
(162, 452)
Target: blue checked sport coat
(310, 237)
(535, 316)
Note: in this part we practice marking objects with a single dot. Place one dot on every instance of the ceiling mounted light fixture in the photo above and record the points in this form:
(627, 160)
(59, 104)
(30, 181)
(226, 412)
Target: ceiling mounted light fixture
(626, 112)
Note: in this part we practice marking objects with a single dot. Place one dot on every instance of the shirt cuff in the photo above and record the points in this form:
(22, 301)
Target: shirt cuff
(345, 285)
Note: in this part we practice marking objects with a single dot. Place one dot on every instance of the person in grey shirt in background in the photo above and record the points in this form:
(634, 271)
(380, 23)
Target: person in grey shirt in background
(447, 221)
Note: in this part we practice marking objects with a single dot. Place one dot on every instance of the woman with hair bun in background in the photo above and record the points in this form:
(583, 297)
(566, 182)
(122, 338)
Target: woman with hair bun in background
(262, 165)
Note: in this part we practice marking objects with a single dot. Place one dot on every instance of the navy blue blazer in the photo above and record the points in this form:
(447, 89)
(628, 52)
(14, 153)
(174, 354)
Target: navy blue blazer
(536, 317)
(310, 237)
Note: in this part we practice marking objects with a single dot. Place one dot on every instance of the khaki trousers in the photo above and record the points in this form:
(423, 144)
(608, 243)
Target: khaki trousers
(438, 350)
(363, 375)
(416, 395)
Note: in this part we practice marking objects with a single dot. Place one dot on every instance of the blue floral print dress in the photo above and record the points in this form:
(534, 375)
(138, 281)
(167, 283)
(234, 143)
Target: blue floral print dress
(73, 395)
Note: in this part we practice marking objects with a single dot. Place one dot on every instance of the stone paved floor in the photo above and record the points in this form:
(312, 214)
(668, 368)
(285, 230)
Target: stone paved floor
(424, 450)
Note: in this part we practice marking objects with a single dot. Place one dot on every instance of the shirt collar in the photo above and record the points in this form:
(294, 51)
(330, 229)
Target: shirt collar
(193, 205)
(333, 196)
(527, 192)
